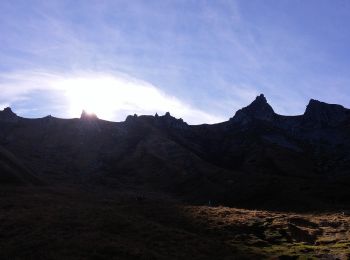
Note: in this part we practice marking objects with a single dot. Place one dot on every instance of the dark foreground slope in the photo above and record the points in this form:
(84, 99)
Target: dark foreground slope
(13, 172)
(257, 159)
(95, 223)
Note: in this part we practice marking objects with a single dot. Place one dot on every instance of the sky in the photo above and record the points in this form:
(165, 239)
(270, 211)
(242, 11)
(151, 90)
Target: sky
(201, 60)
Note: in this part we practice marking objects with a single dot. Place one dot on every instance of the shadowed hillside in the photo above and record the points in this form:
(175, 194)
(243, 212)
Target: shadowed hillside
(95, 223)
(257, 159)
(154, 187)
(13, 171)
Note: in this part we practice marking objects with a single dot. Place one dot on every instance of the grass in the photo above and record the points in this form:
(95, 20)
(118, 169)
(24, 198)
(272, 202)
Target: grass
(95, 223)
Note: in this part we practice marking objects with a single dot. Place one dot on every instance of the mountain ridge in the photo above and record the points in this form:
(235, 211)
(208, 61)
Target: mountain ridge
(259, 109)
(255, 159)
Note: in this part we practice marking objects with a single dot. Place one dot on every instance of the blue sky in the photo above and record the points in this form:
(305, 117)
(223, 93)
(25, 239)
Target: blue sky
(200, 60)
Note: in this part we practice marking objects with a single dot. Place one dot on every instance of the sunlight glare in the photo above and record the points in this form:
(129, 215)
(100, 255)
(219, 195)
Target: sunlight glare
(104, 96)
(111, 97)
(94, 96)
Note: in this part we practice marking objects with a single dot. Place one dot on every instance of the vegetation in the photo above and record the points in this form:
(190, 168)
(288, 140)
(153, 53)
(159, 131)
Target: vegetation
(95, 223)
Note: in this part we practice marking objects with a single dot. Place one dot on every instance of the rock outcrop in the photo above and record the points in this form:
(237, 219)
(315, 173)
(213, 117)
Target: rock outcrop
(169, 121)
(88, 116)
(257, 159)
(8, 115)
(322, 114)
(259, 109)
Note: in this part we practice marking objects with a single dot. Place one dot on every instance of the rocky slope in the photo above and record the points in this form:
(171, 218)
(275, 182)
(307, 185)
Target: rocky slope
(257, 159)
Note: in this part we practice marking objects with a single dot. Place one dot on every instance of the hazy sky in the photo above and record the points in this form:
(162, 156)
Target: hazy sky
(200, 60)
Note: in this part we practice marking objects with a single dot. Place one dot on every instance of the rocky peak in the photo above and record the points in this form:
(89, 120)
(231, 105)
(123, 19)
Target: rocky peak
(169, 121)
(88, 116)
(131, 118)
(8, 115)
(324, 113)
(167, 115)
(316, 106)
(8, 110)
(260, 103)
(260, 99)
(258, 109)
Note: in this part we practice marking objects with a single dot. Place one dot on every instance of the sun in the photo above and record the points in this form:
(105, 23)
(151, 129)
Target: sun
(114, 97)
(94, 96)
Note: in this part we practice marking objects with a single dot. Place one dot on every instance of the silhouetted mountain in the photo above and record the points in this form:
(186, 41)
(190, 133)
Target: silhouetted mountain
(8, 116)
(259, 109)
(88, 116)
(256, 159)
(322, 114)
(152, 187)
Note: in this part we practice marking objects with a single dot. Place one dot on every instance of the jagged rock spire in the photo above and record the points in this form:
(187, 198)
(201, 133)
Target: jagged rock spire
(167, 120)
(8, 110)
(258, 109)
(8, 115)
(88, 116)
(324, 113)
(259, 104)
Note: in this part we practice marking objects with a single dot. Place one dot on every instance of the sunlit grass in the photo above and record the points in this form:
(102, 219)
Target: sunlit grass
(81, 224)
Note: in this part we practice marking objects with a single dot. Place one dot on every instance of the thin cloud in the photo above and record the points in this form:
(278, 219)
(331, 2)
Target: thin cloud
(3, 105)
(110, 96)
(212, 54)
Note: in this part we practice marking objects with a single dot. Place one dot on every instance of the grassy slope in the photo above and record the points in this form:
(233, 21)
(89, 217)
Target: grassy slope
(95, 223)
(13, 171)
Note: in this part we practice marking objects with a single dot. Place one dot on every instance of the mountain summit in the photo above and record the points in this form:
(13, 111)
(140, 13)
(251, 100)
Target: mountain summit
(8, 115)
(318, 112)
(258, 109)
(256, 159)
(88, 116)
